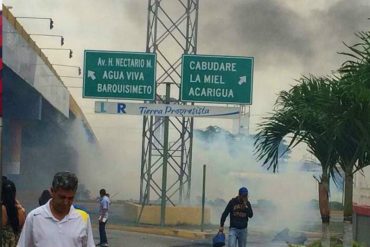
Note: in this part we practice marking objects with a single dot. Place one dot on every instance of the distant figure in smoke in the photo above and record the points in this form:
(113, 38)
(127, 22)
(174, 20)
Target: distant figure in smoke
(13, 214)
(58, 223)
(108, 195)
(45, 197)
(104, 203)
(240, 211)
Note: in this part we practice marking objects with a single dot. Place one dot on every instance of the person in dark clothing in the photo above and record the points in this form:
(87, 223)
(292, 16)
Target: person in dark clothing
(45, 197)
(240, 210)
(13, 214)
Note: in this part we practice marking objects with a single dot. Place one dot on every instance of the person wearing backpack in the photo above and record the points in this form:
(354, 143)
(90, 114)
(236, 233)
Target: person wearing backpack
(240, 211)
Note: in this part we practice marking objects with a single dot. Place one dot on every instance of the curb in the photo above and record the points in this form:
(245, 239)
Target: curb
(171, 232)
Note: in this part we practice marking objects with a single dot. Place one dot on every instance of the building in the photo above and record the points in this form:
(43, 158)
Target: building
(39, 114)
(361, 207)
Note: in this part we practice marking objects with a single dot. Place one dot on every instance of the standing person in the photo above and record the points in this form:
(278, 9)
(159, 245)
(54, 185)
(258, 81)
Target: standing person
(45, 197)
(103, 217)
(13, 215)
(58, 223)
(240, 211)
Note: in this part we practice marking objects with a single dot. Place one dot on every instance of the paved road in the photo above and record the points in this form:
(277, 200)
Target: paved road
(118, 238)
(129, 239)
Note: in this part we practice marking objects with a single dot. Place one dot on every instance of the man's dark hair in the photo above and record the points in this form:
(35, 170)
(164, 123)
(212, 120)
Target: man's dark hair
(65, 181)
(102, 192)
(45, 197)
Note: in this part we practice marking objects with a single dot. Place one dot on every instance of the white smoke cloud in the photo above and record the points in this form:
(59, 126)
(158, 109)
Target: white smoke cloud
(231, 165)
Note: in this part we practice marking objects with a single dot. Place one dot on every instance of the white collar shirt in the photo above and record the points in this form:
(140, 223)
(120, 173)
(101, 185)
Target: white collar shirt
(42, 229)
(104, 206)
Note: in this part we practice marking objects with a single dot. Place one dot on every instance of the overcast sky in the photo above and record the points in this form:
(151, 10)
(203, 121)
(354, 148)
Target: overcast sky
(288, 38)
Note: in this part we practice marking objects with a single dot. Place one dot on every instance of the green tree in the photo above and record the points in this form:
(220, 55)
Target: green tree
(352, 116)
(300, 114)
(352, 120)
(332, 116)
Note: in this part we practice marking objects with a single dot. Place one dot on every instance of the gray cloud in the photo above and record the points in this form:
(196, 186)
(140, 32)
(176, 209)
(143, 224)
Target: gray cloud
(137, 12)
(345, 17)
(339, 23)
(267, 30)
(275, 33)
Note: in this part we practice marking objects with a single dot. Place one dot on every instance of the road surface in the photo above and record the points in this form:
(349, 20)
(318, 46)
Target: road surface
(118, 238)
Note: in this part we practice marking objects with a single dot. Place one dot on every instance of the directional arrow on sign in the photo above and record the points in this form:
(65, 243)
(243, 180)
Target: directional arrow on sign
(91, 74)
(243, 79)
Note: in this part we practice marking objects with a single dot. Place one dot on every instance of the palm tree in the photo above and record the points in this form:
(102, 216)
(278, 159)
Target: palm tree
(351, 144)
(301, 114)
(352, 141)
(332, 116)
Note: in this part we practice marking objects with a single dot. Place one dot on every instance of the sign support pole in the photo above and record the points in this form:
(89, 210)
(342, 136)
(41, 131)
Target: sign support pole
(203, 198)
(165, 160)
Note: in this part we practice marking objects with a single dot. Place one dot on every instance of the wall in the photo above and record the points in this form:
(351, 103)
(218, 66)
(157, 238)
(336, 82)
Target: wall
(361, 208)
(174, 215)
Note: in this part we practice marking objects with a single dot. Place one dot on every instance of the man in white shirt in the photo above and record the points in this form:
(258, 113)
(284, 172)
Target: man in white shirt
(103, 217)
(58, 223)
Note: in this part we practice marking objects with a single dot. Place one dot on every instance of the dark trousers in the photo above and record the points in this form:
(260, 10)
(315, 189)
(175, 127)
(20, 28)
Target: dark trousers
(102, 233)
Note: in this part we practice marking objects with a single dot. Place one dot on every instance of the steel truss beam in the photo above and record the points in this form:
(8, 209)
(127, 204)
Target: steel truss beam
(166, 164)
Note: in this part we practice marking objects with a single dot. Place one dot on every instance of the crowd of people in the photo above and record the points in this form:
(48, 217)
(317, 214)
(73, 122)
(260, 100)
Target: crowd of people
(56, 222)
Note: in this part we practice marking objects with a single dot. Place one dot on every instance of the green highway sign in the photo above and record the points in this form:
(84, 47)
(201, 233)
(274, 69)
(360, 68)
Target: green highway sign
(217, 79)
(119, 75)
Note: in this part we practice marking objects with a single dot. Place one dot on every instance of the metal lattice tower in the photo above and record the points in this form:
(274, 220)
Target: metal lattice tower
(242, 124)
(167, 142)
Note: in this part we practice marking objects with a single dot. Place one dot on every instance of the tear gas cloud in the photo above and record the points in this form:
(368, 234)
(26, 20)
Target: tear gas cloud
(283, 199)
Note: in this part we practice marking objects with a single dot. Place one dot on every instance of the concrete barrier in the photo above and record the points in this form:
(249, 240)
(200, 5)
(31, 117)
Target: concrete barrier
(171, 232)
(123, 212)
(179, 215)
